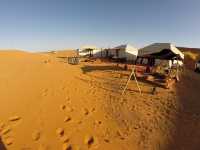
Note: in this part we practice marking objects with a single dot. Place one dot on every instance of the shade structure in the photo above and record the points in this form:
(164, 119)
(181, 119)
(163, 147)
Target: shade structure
(165, 51)
(90, 50)
(87, 48)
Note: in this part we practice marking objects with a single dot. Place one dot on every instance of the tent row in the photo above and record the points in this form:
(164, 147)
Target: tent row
(149, 54)
(127, 52)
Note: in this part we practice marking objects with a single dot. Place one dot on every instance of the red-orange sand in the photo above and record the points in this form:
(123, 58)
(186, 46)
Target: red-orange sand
(47, 104)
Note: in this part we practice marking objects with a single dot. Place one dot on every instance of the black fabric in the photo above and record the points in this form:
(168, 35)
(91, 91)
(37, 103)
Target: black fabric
(166, 54)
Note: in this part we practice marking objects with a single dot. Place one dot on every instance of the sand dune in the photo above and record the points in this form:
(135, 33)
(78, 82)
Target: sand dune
(47, 104)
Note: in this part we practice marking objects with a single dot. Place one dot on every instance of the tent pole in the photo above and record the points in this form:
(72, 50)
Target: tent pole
(127, 82)
(136, 80)
(177, 71)
(132, 73)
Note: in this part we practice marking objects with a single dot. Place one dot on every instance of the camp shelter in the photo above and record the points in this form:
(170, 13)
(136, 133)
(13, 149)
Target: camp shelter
(89, 50)
(127, 52)
(160, 51)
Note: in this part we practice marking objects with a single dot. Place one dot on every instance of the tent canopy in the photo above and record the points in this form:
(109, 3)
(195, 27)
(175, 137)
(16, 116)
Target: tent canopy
(161, 51)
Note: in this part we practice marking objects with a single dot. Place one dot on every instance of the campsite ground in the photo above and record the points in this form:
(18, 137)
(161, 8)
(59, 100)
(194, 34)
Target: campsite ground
(47, 104)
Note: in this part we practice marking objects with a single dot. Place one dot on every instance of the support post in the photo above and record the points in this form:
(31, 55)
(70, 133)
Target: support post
(132, 74)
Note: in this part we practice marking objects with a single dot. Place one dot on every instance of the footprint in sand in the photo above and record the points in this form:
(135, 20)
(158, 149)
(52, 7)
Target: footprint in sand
(67, 119)
(67, 146)
(14, 118)
(93, 109)
(62, 107)
(5, 130)
(120, 135)
(8, 141)
(67, 98)
(137, 126)
(85, 111)
(36, 135)
(60, 131)
(44, 92)
(89, 140)
(107, 140)
(65, 139)
(97, 122)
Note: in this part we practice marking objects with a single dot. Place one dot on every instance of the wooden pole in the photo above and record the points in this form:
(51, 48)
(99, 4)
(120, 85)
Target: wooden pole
(177, 71)
(127, 82)
(136, 81)
(132, 73)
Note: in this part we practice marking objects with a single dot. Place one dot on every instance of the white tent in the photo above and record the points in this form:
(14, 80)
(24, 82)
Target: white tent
(161, 51)
(89, 50)
(124, 51)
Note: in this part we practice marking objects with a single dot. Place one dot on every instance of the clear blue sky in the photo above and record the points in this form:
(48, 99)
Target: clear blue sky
(58, 24)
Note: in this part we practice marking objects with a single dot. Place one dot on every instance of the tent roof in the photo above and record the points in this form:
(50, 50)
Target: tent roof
(86, 47)
(121, 47)
(125, 47)
(161, 51)
(129, 49)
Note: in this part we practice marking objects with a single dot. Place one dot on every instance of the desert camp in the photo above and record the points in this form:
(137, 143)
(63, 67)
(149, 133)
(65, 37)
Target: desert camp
(89, 50)
(78, 107)
(99, 75)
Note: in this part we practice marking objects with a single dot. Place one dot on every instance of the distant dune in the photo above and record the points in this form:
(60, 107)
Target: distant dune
(62, 53)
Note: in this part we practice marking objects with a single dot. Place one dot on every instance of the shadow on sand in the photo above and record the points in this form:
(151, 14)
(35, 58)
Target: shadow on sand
(152, 83)
(120, 86)
(186, 134)
(2, 146)
(185, 131)
(63, 59)
(87, 69)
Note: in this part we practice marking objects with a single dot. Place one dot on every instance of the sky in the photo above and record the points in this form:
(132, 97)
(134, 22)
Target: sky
(60, 24)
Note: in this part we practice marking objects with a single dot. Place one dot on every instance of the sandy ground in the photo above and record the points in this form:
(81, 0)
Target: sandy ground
(47, 104)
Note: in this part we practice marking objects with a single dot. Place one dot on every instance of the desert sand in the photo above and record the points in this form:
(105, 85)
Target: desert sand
(47, 104)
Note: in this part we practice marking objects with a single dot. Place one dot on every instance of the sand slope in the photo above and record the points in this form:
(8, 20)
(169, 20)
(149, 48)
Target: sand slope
(47, 104)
